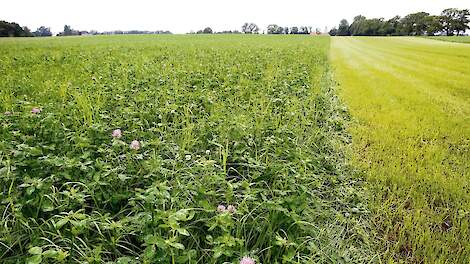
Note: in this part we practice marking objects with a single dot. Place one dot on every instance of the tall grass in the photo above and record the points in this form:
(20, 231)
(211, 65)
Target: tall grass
(249, 123)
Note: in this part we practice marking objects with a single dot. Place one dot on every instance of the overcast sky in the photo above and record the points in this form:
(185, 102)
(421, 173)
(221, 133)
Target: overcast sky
(181, 16)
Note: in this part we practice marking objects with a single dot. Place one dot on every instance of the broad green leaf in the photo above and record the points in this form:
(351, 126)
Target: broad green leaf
(35, 251)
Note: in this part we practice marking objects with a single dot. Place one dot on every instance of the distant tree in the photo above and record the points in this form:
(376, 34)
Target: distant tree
(343, 29)
(12, 29)
(68, 31)
(333, 32)
(392, 26)
(358, 26)
(272, 29)
(294, 30)
(415, 24)
(207, 30)
(462, 21)
(304, 30)
(250, 28)
(449, 19)
(42, 31)
(375, 27)
(433, 25)
(27, 32)
(455, 20)
(228, 32)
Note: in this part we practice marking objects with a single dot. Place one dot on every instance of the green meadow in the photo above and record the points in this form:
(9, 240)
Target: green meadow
(410, 99)
(460, 39)
(234, 149)
(176, 149)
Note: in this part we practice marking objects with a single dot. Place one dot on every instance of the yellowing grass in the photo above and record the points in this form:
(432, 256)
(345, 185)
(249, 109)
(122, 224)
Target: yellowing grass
(410, 98)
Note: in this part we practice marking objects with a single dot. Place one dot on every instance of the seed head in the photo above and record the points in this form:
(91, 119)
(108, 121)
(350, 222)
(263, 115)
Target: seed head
(247, 260)
(8, 113)
(117, 133)
(187, 157)
(135, 145)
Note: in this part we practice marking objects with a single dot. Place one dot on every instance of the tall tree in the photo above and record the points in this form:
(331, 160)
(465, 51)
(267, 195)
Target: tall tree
(415, 24)
(207, 30)
(448, 17)
(68, 30)
(250, 28)
(343, 29)
(392, 26)
(358, 26)
(27, 32)
(273, 29)
(433, 25)
(462, 21)
(12, 29)
(43, 31)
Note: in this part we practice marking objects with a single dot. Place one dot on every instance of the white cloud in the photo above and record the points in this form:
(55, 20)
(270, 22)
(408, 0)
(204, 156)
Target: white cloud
(181, 16)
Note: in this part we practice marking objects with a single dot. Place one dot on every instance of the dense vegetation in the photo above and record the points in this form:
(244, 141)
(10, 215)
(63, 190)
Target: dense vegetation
(451, 21)
(411, 100)
(8, 29)
(175, 149)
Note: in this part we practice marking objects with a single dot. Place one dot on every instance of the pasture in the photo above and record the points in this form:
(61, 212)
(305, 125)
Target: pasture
(178, 149)
(410, 100)
(458, 39)
(234, 149)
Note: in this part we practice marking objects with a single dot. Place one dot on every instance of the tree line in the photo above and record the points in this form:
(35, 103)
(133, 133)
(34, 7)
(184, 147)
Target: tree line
(252, 28)
(451, 21)
(275, 29)
(12, 29)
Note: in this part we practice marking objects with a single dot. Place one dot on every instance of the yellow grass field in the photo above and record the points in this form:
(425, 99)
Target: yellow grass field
(410, 102)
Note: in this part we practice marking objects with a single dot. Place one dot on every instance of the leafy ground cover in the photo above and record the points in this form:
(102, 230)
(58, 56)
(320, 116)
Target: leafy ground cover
(175, 149)
(460, 39)
(410, 98)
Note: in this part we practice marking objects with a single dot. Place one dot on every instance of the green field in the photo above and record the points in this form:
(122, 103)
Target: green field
(410, 98)
(239, 149)
(461, 39)
(212, 148)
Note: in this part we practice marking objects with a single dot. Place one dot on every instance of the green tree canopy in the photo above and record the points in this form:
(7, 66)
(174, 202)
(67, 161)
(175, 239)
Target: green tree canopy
(343, 29)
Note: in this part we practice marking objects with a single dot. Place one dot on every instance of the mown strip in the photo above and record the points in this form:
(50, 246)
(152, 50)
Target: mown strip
(410, 98)
(459, 39)
(239, 150)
